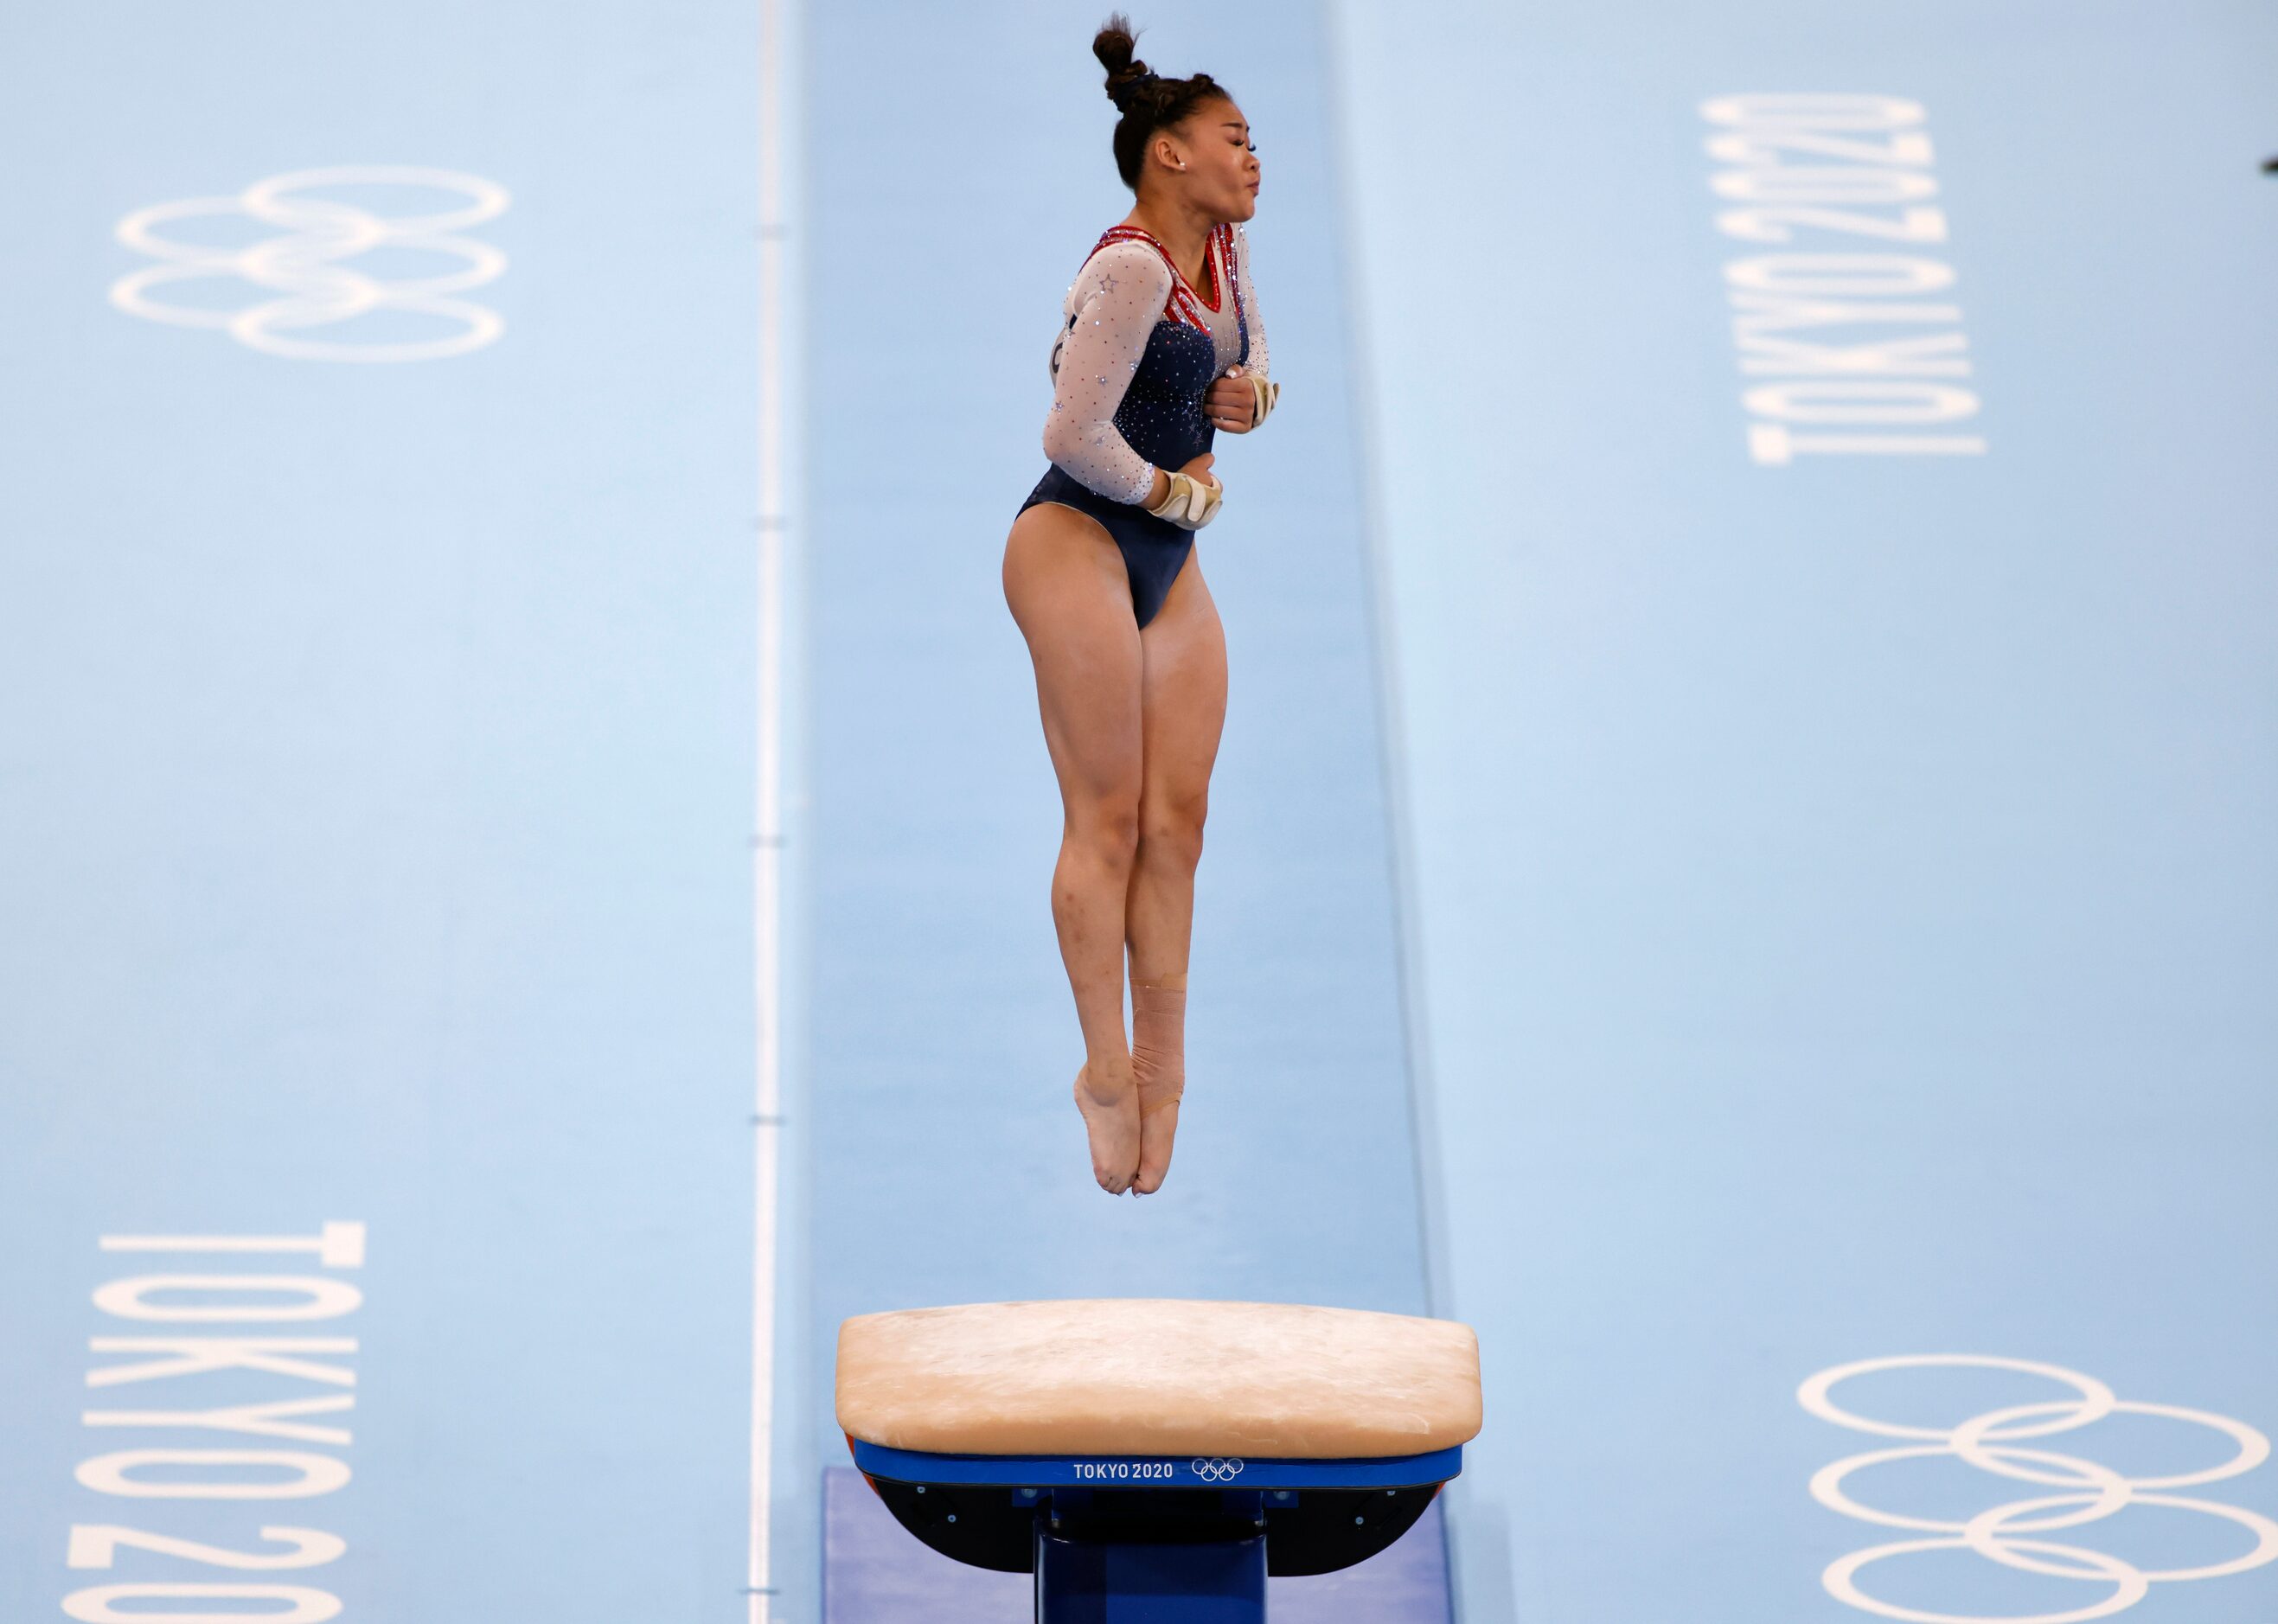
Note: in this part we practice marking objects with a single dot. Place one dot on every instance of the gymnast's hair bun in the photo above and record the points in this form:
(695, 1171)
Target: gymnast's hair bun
(1113, 45)
(1147, 100)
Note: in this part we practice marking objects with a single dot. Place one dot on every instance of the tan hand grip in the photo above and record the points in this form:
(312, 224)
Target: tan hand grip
(1190, 503)
(1266, 395)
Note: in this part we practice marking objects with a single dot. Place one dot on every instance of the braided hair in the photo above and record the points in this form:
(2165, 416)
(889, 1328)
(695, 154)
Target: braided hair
(1147, 100)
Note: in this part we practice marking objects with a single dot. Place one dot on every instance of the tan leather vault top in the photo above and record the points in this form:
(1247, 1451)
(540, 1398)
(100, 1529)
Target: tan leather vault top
(1137, 1377)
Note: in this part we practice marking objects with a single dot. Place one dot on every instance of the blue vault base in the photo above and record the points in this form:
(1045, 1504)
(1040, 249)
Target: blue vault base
(874, 1573)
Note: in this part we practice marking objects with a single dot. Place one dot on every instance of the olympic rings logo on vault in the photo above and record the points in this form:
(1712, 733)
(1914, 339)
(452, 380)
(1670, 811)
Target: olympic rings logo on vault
(306, 272)
(2065, 1493)
(1217, 1469)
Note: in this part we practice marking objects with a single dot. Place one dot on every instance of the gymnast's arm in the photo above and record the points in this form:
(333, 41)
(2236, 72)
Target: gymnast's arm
(1256, 366)
(1240, 403)
(1118, 297)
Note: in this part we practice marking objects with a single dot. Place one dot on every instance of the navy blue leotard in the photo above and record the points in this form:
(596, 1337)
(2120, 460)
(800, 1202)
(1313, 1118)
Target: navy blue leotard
(1160, 417)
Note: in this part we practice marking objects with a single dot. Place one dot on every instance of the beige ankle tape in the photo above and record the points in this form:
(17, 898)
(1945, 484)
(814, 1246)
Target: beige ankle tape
(1158, 1043)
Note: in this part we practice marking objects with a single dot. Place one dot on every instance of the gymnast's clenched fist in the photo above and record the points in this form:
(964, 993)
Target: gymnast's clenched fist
(1238, 402)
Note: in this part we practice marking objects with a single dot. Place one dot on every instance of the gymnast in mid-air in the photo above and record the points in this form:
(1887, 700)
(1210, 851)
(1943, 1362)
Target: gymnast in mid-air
(1160, 346)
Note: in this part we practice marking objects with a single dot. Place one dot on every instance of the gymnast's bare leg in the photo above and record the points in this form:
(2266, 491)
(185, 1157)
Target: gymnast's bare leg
(1182, 711)
(1065, 584)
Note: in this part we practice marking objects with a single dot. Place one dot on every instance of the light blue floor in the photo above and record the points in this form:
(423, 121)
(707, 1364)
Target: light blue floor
(376, 774)
(1705, 923)
(1845, 892)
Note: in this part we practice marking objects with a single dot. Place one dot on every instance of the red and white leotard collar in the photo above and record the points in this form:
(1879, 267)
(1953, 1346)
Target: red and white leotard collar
(1184, 304)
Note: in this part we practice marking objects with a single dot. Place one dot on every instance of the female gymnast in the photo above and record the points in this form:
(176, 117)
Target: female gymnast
(1159, 346)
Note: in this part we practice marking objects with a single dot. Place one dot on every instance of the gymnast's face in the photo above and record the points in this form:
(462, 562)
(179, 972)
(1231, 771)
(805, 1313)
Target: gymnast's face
(1221, 171)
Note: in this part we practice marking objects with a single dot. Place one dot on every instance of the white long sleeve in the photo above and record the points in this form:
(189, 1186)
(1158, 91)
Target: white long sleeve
(1256, 366)
(1109, 314)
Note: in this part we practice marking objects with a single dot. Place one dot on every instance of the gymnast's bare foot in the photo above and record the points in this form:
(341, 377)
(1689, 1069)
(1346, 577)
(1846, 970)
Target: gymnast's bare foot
(1158, 1064)
(1159, 1125)
(1111, 1118)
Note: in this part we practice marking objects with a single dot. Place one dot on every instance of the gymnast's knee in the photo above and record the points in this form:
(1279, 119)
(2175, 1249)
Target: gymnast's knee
(1171, 831)
(1107, 830)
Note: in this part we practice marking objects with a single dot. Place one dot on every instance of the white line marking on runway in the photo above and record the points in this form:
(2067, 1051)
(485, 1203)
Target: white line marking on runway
(768, 853)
